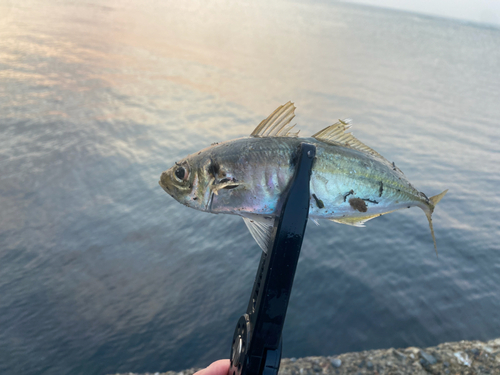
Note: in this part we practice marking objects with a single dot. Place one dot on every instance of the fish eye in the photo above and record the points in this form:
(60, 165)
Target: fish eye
(180, 173)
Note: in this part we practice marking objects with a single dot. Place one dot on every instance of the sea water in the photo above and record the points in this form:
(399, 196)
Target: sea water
(102, 272)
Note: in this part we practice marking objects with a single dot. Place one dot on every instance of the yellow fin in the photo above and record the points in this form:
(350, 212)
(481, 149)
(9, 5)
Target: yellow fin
(336, 134)
(435, 200)
(277, 123)
(358, 221)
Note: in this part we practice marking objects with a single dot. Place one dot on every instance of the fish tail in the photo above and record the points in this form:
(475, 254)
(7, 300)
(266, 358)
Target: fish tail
(435, 199)
(430, 209)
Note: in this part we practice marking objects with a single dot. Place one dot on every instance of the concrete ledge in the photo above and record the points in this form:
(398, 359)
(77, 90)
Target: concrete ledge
(463, 357)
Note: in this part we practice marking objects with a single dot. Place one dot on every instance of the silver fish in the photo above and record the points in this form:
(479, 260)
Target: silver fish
(350, 182)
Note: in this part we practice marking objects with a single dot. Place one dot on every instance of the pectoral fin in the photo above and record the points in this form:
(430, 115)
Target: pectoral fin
(225, 183)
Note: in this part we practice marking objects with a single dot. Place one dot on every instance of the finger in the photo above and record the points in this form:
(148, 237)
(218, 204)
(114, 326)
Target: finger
(220, 367)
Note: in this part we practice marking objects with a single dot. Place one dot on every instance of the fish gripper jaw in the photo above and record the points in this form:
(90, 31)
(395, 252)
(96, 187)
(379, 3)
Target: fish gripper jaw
(257, 342)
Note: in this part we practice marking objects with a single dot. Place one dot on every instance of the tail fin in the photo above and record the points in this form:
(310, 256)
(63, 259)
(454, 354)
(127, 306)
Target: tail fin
(434, 201)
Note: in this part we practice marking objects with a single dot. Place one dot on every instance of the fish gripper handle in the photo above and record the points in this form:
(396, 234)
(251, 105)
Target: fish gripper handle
(256, 345)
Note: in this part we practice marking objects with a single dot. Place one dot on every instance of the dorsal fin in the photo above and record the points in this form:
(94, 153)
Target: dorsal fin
(336, 134)
(277, 123)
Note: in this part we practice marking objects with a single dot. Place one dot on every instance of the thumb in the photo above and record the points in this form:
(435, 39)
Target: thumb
(220, 367)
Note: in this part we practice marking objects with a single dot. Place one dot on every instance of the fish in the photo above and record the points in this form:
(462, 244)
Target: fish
(350, 182)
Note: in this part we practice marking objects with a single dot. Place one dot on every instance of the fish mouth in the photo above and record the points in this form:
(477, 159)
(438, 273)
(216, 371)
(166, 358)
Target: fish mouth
(162, 186)
(163, 181)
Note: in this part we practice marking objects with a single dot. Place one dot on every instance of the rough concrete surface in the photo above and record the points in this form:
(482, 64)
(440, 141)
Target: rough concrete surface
(454, 358)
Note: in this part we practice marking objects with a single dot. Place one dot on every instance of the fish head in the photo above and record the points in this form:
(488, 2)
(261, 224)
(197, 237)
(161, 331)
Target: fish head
(209, 180)
(187, 181)
(178, 182)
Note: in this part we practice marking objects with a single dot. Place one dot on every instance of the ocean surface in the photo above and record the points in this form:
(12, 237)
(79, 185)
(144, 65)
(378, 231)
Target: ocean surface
(101, 271)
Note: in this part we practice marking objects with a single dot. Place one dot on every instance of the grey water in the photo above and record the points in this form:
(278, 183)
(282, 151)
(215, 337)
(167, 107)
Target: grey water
(102, 272)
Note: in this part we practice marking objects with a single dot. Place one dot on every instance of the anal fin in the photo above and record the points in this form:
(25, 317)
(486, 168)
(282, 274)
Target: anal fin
(314, 221)
(358, 221)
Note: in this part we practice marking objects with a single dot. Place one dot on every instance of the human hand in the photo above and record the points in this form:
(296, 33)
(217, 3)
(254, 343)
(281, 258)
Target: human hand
(220, 367)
